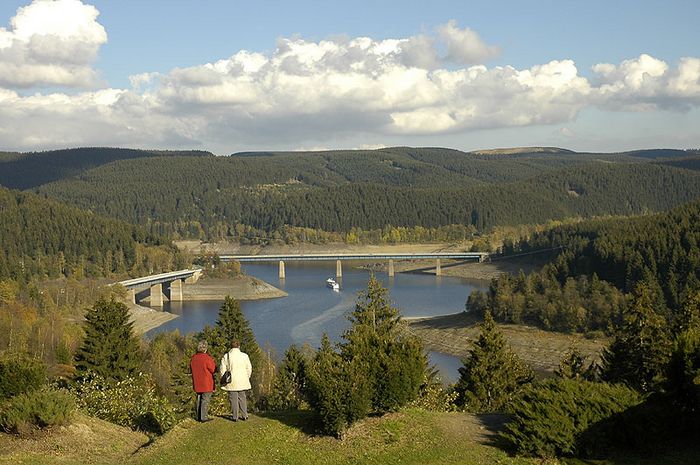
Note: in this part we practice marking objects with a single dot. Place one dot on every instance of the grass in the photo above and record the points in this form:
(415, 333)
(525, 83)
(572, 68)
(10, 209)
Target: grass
(408, 437)
(86, 441)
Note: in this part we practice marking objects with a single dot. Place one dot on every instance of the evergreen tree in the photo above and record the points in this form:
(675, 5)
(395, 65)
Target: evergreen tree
(641, 348)
(683, 371)
(109, 348)
(392, 360)
(328, 389)
(232, 324)
(492, 374)
(290, 384)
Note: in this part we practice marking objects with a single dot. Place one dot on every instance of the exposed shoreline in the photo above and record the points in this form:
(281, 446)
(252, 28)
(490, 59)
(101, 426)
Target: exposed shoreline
(542, 350)
(240, 288)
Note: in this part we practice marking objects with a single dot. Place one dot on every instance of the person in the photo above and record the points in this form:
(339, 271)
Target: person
(202, 367)
(238, 363)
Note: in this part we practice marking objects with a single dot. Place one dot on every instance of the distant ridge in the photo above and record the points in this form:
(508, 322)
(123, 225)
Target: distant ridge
(520, 150)
(32, 169)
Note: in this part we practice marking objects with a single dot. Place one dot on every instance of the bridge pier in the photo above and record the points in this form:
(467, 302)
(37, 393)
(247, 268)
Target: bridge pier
(157, 295)
(391, 268)
(438, 270)
(175, 291)
(132, 295)
(338, 269)
(282, 274)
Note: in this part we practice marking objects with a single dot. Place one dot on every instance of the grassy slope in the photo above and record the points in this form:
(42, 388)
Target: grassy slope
(409, 437)
(86, 441)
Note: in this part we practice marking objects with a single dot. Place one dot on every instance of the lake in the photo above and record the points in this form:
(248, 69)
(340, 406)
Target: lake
(311, 308)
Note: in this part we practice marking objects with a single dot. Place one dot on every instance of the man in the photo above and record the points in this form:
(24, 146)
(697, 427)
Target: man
(203, 368)
(238, 364)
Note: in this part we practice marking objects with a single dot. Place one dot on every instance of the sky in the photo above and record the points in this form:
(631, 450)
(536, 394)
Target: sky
(229, 76)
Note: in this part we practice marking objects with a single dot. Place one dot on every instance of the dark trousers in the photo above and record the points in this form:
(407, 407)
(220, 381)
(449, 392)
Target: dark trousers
(237, 399)
(203, 399)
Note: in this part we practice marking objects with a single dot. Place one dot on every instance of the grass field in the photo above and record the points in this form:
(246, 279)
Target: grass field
(408, 437)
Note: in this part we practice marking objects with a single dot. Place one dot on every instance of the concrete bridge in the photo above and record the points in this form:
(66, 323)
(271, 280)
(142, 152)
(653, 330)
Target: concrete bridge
(479, 256)
(173, 282)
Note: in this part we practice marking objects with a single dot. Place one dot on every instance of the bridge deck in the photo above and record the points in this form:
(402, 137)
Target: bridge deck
(159, 278)
(370, 256)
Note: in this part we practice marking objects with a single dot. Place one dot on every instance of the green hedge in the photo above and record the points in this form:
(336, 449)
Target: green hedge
(36, 409)
(20, 374)
(551, 416)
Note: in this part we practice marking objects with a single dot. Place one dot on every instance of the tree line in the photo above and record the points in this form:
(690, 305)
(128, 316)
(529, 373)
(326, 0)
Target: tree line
(42, 238)
(598, 265)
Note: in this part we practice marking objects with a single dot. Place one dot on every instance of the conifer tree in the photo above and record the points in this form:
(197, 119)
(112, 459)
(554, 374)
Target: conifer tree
(641, 349)
(109, 348)
(492, 374)
(290, 385)
(393, 361)
(232, 324)
(328, 389)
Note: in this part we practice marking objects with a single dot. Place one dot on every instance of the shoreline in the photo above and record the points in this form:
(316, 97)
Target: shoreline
(242, 287)
(455, 334)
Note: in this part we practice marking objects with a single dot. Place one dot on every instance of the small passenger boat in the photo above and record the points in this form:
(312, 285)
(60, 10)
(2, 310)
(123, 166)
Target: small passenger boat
(333, 284)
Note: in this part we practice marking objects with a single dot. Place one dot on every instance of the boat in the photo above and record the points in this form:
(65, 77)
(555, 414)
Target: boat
(333, 284)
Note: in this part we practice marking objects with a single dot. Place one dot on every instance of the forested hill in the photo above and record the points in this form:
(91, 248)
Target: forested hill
(662, 250)
(207, 196)
(27, 170)
(41, 237)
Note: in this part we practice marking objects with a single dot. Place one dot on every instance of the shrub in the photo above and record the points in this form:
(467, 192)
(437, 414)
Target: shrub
(132, 402)
(19, 375)
(550, 416)
(36, 409)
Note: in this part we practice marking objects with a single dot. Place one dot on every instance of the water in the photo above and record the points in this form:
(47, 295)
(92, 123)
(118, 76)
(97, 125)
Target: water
(311, 308)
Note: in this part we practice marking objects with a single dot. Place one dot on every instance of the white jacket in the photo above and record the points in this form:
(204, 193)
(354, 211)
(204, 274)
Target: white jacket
(238, 364)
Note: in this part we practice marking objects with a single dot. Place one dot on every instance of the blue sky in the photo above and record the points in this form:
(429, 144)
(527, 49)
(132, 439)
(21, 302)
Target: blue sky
(298, 75)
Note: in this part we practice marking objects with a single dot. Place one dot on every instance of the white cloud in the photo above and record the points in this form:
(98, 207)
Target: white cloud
(51, 43)
(304, 93)
(464, 46)
(648, 84)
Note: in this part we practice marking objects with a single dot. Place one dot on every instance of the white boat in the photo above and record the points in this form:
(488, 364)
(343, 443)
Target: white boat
(333, 284)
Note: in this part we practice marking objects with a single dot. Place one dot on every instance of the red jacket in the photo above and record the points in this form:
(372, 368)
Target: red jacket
(203, 368)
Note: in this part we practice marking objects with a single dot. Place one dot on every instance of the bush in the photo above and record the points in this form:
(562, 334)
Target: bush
(132, 402)
(36, 409)
(19, 375)
(550, 416)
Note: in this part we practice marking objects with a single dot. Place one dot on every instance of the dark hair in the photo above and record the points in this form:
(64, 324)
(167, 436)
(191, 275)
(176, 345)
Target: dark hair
(235, 343)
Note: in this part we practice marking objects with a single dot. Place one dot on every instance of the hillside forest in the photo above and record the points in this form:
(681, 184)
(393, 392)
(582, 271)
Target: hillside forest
(619, 233)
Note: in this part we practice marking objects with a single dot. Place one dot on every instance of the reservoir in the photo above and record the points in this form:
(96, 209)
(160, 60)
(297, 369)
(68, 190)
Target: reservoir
(311, 308)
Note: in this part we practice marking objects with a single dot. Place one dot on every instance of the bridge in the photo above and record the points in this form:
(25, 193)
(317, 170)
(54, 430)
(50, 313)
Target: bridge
(437, 256)
(173, 280)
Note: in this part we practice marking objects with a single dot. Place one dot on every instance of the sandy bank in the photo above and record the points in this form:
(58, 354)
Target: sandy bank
(542, 350)
(240, 288)
(145, 318)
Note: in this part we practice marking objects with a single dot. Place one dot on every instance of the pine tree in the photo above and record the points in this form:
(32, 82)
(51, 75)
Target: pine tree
(393, 361)
(641, 348)
(492, 375)
(290, 385)
(109, 348)
(328, 389)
